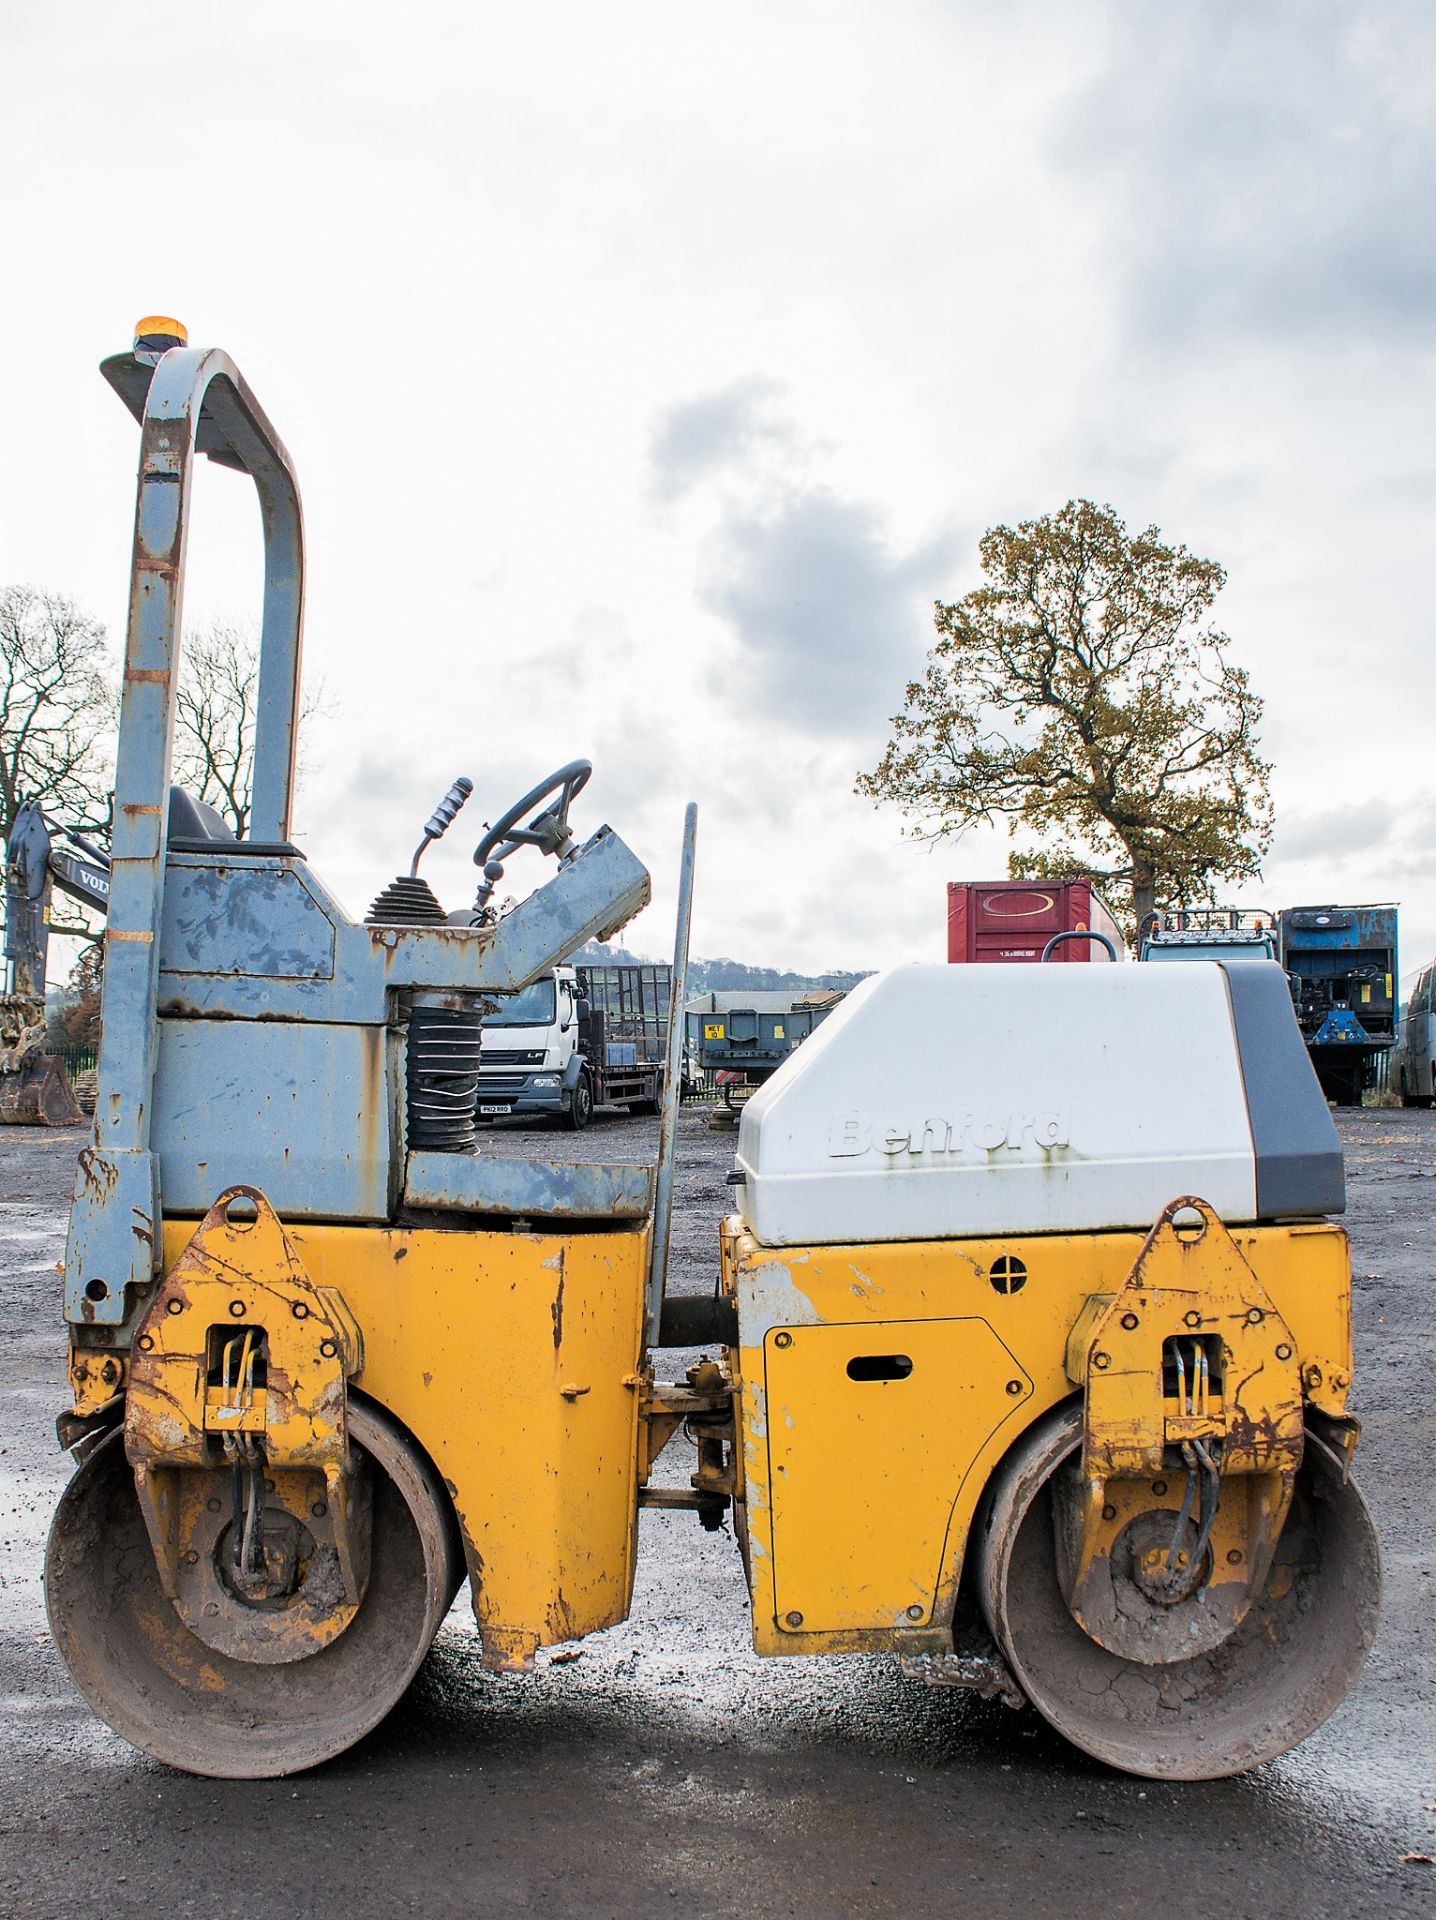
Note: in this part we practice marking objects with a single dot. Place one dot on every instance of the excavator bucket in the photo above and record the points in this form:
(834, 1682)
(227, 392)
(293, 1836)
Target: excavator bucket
(39, 1094)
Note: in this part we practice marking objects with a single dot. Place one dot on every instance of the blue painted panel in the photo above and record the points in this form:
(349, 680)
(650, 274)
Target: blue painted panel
(595, 894)
(112, 1233)
(309, 1113)
(1341, 1028)
(256, 920)
(533, 1189)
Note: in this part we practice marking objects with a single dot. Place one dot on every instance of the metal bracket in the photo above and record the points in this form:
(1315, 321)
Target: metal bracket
(1192, 1381)
(238, 1370)
(706, 1406)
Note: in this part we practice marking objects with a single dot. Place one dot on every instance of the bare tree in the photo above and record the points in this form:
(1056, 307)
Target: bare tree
(57, 714)
(214, 719)
(57, 710)
(215, 707)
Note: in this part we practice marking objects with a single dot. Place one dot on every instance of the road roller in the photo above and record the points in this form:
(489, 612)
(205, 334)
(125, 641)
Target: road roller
(1026, 1359)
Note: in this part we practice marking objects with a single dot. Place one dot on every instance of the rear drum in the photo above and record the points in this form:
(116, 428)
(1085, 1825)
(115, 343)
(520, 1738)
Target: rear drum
(173, 1696)
(1273, 1681)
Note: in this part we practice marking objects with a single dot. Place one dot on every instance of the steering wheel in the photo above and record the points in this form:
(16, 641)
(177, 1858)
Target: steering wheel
(548, 829)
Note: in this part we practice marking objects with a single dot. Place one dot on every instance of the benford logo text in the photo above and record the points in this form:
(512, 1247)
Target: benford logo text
(856, 1133)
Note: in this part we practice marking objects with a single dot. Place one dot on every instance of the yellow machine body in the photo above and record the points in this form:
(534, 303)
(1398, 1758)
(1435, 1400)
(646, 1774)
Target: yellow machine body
(513, 1360)
(1121, 1451)
(860, 1492)
(879, 1389)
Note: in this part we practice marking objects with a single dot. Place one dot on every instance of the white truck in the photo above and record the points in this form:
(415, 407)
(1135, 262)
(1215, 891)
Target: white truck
(577, 1038)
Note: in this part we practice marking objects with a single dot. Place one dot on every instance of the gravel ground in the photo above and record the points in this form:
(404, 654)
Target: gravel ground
(666, 1769)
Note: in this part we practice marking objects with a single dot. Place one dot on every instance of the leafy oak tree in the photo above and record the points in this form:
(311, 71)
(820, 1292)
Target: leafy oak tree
(1081, 695)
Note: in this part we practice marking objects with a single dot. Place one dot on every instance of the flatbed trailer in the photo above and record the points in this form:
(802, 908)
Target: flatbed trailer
(623, 1032)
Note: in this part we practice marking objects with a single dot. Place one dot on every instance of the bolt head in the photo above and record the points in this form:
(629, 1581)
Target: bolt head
(793, 1619)
(299, 1310)
(1191, 1319)
(916, 1612)
(1129, 1321)
(146, 1342)
(782, 1339)
(1283, 1352)
(236, 1309)
(175, 1306)
(1101, 1361)
(1109, 1512)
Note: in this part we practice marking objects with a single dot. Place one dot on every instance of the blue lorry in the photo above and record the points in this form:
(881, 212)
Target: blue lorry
(1341, 963)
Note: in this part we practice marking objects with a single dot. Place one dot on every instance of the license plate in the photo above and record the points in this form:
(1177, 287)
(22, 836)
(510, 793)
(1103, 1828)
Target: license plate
(484, 1109)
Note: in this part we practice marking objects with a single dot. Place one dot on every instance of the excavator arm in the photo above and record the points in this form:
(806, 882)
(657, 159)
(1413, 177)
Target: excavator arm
(39, 857)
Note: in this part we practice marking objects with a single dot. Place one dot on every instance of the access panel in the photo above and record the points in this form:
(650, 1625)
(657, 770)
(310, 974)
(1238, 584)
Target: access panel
(871, 1432)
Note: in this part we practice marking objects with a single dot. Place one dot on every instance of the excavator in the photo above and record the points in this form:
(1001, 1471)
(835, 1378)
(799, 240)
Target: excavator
(40, 856)
(1026, 1363)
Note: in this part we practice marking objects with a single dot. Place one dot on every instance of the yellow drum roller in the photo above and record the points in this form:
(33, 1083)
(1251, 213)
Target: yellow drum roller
(1028, 1362)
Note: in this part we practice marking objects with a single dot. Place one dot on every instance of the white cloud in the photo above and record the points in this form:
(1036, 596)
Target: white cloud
(1271, 168)
(1335, 833)
(830, 620)
(634, 361)
(715, 432)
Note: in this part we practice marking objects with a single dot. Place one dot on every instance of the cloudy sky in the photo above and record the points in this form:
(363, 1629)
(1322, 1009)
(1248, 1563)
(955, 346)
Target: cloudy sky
(650, 369)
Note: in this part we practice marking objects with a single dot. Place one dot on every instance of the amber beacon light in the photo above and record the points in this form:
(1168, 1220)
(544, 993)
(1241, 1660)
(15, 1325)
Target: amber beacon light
(155, 335)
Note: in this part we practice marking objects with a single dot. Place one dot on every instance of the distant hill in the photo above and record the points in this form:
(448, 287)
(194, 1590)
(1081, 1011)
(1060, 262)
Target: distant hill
(719, 976)
(722, 976)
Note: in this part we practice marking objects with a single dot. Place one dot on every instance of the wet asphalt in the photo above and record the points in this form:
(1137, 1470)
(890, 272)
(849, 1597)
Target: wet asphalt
(661, 1768)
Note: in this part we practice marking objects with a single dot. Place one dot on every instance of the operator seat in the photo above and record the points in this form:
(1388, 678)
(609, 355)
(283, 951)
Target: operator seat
(191, 819)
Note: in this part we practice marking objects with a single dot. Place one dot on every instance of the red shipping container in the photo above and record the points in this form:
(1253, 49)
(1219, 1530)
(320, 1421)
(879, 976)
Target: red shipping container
(1012, 920)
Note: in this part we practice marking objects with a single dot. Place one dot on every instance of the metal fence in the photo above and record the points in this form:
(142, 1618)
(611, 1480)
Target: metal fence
(79, 1057)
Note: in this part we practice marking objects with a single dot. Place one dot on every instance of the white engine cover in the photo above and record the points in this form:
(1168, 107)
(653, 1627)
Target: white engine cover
(942, 1102)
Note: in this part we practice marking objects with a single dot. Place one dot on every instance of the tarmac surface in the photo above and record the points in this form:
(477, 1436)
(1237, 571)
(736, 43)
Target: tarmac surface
(661, 1768)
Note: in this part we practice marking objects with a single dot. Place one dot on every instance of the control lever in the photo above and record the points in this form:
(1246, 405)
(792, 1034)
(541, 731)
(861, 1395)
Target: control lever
(409, 901)
(441, 819)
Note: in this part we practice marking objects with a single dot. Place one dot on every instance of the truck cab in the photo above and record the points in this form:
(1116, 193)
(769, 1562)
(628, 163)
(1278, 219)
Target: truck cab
(530, 1060)
(576, 1038)
(1208, 933)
